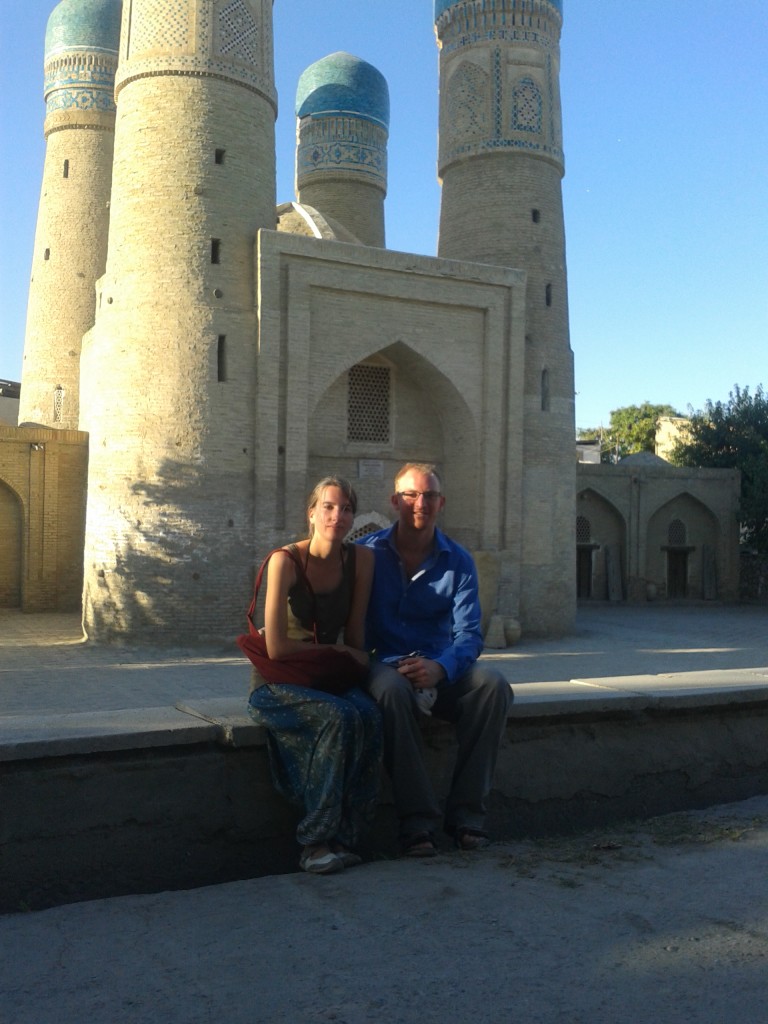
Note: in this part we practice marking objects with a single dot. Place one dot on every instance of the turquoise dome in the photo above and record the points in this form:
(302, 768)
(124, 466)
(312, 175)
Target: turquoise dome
(443, 5)
(341, 83)
(79, 24)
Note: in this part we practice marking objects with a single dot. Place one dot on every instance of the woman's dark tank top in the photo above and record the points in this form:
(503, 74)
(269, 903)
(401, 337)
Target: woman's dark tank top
(328, 611)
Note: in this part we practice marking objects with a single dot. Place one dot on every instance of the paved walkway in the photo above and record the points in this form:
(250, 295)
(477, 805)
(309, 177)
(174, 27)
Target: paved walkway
(665, 923)
(46, 668)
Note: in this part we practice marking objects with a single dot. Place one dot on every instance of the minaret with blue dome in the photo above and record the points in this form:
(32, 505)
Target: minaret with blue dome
(342, 107)
(81, 53)
(170, 367)
(501, 166)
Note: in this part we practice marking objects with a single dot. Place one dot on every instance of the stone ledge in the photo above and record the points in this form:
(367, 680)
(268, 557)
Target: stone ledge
(230, 716)
(171, 797)
(640, 693)
(224, 721)
(25, 737)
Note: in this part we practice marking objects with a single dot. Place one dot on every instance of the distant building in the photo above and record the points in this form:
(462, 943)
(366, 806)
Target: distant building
(646, 530)
(669, 430)
(9, 402)
(588, 450)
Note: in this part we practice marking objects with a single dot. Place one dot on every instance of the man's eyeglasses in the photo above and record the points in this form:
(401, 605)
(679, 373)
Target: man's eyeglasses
(411, 497)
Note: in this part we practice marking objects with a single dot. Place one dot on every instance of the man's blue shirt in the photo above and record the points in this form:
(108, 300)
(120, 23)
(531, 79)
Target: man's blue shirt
(436, 612)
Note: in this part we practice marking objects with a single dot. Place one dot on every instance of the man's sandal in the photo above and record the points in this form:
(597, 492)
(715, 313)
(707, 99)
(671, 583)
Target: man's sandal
(470, 839)
(420, 844)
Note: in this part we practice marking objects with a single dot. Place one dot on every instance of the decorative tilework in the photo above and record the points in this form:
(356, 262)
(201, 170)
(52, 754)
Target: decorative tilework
(80, 70)
(525, 6)
(522, 108)
(498, 93)
(238, 32)
(555, 131)
(342, 144)
(79, 99)
(468, 23)
(340, 156)
(80, 80)
(540, 39)
(492, 145)
(467, 102)
(160, 25)
(526, 106)
(224, 39)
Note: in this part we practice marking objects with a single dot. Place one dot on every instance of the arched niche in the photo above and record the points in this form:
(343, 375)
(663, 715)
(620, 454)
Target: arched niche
(601, 539)
(11, 547)
(683, 537)
(428, 421)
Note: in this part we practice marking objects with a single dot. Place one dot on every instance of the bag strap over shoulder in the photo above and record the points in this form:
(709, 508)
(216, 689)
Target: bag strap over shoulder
(292, 554)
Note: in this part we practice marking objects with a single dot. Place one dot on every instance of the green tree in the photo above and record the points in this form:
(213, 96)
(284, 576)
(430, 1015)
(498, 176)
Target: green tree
(632, 429)
(734, 435)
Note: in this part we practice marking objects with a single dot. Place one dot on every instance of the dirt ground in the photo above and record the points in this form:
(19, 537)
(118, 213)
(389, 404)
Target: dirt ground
(664, 923)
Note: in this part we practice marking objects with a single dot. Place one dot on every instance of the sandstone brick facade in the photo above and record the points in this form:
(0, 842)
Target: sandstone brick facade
(170, 365)
(501, 165)
(451, 344)
(42, 517)
(223, 366)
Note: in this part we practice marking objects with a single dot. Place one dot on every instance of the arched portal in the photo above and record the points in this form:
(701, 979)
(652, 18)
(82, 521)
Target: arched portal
(600, 548)
(681, 549)
(11, 535)
(395, 407)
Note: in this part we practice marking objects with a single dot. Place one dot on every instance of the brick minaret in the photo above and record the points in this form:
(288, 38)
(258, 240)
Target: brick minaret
(169, 373)
(342, 106)
(501, 165)
(70, 251)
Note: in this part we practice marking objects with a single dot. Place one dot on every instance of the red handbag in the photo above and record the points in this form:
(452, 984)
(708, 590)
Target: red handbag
(320, 667)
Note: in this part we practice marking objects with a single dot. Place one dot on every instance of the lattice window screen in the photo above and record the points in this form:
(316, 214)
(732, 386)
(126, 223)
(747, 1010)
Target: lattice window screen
(368, 403)
(677, 532)
(583, 530)
(58, 404)
(362, 531)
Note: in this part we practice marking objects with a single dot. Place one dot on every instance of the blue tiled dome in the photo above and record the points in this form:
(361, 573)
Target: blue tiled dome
(94, 24)
(341, 83)
(443, 5)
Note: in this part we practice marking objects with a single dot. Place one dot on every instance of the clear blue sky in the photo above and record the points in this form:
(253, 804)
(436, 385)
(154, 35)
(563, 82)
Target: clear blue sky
(666, 141)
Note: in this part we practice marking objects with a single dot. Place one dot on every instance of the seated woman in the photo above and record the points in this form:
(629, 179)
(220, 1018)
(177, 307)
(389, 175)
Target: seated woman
(325, 749)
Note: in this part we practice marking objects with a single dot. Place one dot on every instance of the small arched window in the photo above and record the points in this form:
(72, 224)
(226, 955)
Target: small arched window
(545, 390)
(221, 358)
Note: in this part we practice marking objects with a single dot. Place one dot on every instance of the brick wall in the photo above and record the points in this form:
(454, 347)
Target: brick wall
(42, 506)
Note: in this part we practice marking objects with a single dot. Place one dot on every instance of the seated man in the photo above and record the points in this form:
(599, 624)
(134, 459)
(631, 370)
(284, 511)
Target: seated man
(424, 625)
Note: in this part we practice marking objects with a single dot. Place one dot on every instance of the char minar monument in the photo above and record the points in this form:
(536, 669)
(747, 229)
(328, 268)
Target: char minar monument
(223, 352)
